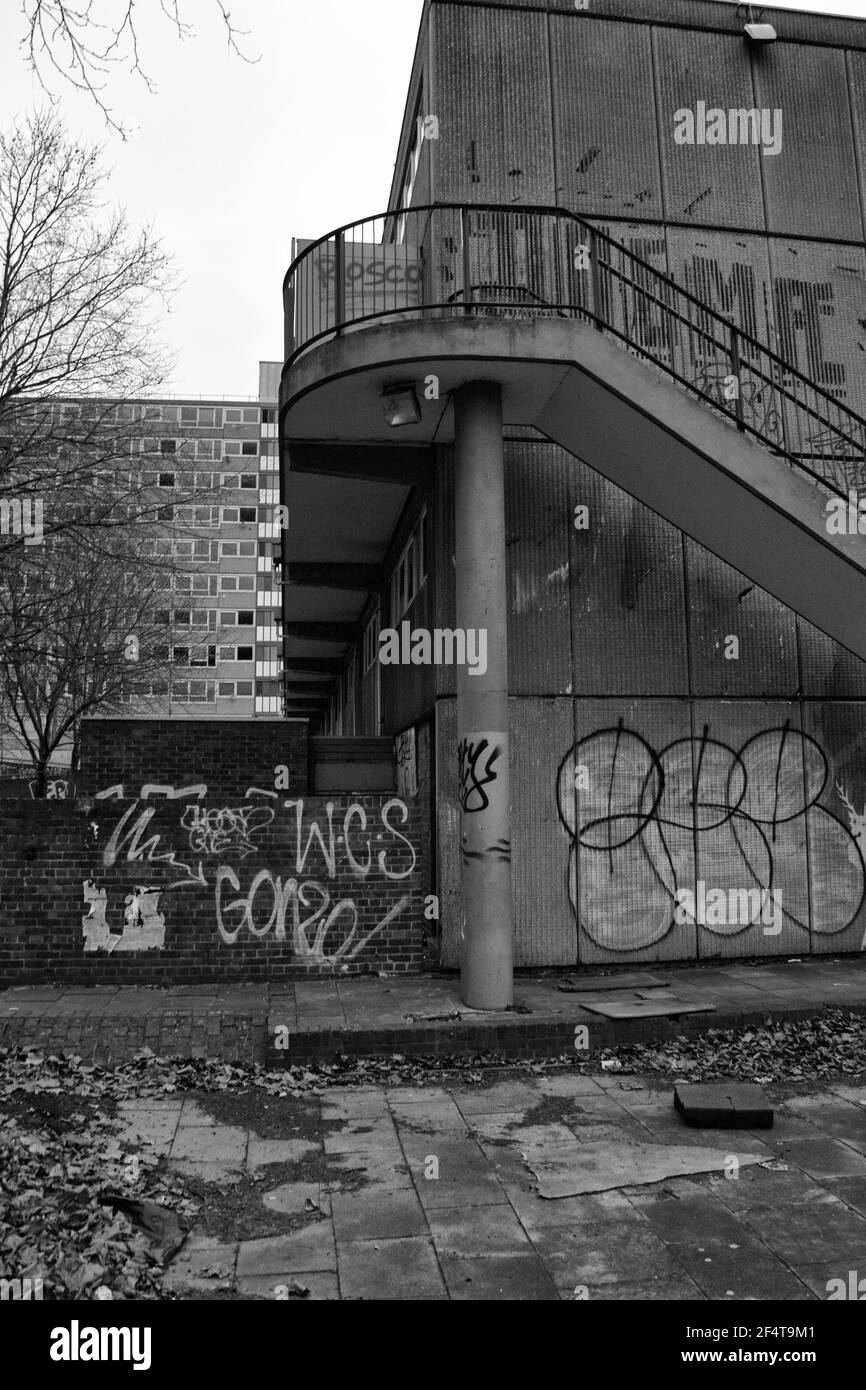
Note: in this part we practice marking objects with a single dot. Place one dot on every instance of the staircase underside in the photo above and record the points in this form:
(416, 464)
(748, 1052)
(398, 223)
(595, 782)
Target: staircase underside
(622, 417)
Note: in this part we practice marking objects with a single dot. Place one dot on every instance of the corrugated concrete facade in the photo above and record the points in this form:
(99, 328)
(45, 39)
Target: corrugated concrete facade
(619, 641)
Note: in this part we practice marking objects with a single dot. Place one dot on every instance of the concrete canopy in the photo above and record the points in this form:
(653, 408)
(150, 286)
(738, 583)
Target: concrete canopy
(622, 417)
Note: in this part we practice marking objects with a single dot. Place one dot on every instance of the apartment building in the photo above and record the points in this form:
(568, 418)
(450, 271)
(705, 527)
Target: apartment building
(222, 656)
(223, 621)
(614, 231)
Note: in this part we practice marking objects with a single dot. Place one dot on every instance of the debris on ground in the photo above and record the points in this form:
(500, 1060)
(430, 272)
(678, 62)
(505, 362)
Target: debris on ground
(96, 1216)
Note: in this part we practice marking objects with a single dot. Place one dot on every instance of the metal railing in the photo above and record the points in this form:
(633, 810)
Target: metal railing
(454, 260)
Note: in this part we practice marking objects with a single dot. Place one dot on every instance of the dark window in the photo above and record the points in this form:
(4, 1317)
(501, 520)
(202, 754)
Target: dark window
(166, 480)
(248, 513)
(168, 446)
(249, 480)
(269, 417)
(181, 656)
(249, 448)
(246, 617)
(245, 653)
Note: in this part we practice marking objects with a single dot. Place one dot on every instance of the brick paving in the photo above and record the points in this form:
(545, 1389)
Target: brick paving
(424, 1193)
(376, 1016)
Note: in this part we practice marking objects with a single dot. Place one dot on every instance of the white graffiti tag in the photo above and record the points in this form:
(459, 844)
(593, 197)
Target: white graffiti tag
(224, 831)
(315, 898)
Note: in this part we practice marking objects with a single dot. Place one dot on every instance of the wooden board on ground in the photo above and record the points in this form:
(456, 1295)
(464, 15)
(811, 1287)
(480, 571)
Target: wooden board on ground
(645, 1008)
(570, 985)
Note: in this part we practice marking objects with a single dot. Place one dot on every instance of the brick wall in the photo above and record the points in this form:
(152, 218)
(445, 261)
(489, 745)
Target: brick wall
(188, 890)
(228, 755)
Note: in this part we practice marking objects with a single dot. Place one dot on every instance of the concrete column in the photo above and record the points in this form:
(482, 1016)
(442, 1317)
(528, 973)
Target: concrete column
(487, 950)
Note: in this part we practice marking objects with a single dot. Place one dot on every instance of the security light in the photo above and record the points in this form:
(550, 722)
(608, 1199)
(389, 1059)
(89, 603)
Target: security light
(761, 33)
(400, 405)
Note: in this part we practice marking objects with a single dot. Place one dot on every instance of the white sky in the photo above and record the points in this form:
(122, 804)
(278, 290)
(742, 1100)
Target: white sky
(230, 160)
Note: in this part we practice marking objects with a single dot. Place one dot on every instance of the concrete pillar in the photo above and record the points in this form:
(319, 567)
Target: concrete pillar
(487, 950)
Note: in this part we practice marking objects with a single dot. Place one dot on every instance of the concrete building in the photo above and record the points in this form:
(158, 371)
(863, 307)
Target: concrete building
(223, 635)
(593, 386)
(226, 656)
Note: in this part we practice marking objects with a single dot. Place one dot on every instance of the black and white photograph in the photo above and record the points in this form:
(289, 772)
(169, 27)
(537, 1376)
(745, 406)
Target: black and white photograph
(432, 673)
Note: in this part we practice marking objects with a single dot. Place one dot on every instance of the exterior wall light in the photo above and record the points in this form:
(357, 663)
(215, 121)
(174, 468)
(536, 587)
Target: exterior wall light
(400, 405)
(760, 33)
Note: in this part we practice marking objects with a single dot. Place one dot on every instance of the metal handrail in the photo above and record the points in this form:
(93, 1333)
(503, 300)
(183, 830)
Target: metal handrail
(615, 290)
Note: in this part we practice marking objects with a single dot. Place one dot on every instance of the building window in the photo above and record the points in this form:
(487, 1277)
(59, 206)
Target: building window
(371, 641)
(167, 446)
(410, 573)
(246, 415)
(242, 550)
(249, 480)
(248, 514)
(166, 480)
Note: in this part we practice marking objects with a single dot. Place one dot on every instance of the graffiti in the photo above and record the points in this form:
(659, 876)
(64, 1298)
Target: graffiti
(174, 794)
(130, 839)
(312, 896)
(57, 790)
(475, 774)
(500, 850)
(407, 770)
(225, 832)
(320, 848)
(758, 400)
(143, 923)
(646, 824)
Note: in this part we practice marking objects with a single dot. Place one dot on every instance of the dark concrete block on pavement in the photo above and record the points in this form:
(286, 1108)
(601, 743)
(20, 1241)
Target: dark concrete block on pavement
(723, 1105)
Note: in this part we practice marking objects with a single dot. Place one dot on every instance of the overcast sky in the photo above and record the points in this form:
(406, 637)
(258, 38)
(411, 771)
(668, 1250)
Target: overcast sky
(229, 160)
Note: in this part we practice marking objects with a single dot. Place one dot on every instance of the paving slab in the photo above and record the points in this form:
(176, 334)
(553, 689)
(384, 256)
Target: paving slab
(376, 1215)
(514, 1278)
(734, 1275)
(311, 1248)
(487, 1230)
(390, 1269)
(825, 1158)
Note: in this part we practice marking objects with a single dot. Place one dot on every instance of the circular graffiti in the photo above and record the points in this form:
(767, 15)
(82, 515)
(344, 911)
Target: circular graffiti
(657, 836)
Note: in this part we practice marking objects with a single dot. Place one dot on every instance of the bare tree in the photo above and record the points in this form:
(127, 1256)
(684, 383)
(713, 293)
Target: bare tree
(80, 515)
(92, 628)
(81, 298)
(82, 43)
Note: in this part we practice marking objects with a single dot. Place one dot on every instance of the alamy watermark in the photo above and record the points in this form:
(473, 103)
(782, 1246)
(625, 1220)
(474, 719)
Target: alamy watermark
(439, 647)
(19, 518)
(734, 907)
(740, 126)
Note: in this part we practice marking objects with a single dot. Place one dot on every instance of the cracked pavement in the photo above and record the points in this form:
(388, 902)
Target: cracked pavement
(401, 1192)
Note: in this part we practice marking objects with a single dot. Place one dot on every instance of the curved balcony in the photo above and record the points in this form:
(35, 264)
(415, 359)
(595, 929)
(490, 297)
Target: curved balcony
(455, 267)
(601, 353)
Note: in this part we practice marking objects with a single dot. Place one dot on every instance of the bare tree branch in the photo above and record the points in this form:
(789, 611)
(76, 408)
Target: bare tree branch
(80, 44)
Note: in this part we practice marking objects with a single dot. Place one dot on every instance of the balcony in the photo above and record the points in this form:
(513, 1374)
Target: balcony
(596, 349)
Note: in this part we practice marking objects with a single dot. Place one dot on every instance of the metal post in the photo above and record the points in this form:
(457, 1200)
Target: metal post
(482, 698)
(339, 282)
(735, 370)
(467, 260)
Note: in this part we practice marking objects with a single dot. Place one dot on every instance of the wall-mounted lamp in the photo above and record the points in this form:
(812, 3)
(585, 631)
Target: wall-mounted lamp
(400, 405)
(760, 33)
